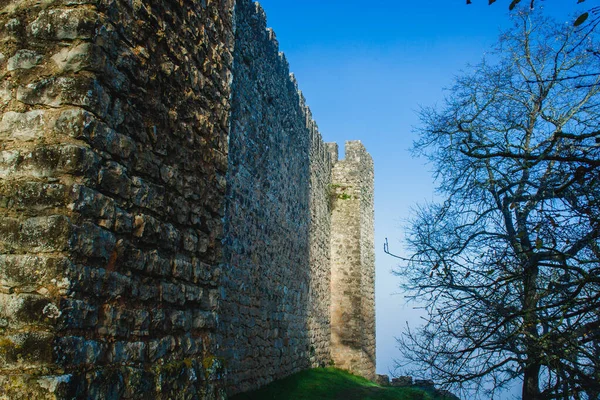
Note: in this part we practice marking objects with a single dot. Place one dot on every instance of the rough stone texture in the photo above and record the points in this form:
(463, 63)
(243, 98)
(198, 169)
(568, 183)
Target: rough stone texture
(275, 297)
(166, 206)
(402, 381)
(383, 380)
(353, 262)
(319, 286)
(113, 154)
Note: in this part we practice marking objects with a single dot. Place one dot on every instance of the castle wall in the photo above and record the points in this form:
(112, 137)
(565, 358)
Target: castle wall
(275, 296)
(353, 262)
(319, 301)
(165, 205)
(112, 182)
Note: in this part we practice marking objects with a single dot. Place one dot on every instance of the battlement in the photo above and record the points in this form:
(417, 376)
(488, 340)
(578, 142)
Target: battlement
(171, 219)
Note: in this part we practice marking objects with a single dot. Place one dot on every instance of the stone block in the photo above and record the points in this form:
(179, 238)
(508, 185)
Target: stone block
(33, 197)
(141, 322)
(91, 203)
(203, 320)
(160, 348)
(67, 91)
(78, 314)
(172, 293)
(23, 386)
(383, 380)
(25, 126)
(127, 352)
(64, 24)
(40, 234)
(48, 161)
(114, 179)
(33, 271)
(28, 309)
(27, 349)
(105, 383)
(148, 195)
(83, 56)
(24, 59)
(92, 241)
(402, 381)
(424, 383)
(182, 267)
(181, 320)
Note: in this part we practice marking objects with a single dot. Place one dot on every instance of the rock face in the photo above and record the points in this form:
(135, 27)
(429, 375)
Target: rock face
(166, 207)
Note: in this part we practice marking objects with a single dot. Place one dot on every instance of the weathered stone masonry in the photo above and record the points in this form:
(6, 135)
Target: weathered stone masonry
(114, 153)
(353, 262)
(167, 206)
(275, 310)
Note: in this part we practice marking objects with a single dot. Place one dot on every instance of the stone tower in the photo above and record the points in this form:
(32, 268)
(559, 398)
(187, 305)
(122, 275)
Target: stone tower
(353, 261)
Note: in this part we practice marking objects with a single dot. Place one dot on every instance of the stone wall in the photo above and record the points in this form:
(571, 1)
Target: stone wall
(167, 206)
(113, 158)
(319, 301)
(275, 295)
(353, 262)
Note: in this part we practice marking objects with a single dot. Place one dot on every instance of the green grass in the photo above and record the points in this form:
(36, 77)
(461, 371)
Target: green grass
(331, 384)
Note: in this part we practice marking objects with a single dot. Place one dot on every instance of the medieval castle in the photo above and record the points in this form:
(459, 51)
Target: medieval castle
(172, 225)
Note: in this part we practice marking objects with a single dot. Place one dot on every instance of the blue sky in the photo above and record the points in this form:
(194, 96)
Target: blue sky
(365, 68)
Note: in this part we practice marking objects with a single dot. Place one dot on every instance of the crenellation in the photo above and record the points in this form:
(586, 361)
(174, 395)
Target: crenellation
(273, 39)
(333, 150)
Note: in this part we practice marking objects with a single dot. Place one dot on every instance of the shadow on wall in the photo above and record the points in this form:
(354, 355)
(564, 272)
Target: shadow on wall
(275, 316)
(275, 296)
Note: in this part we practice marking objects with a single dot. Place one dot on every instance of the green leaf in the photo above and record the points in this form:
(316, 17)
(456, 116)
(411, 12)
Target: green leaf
(581, 19)
(538, 243)
(513, 4)
(490, 2)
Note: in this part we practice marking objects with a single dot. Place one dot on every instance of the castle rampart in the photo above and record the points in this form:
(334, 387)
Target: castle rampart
(166, 205)
(272, 294)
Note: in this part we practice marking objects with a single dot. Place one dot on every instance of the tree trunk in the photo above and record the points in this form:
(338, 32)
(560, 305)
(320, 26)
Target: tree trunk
(531, 381)
(531, 378)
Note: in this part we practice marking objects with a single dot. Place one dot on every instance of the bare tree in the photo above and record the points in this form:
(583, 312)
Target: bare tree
(593, 12)
(508, 266)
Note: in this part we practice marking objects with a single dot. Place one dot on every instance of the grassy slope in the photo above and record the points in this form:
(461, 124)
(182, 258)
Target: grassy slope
(331, 384)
